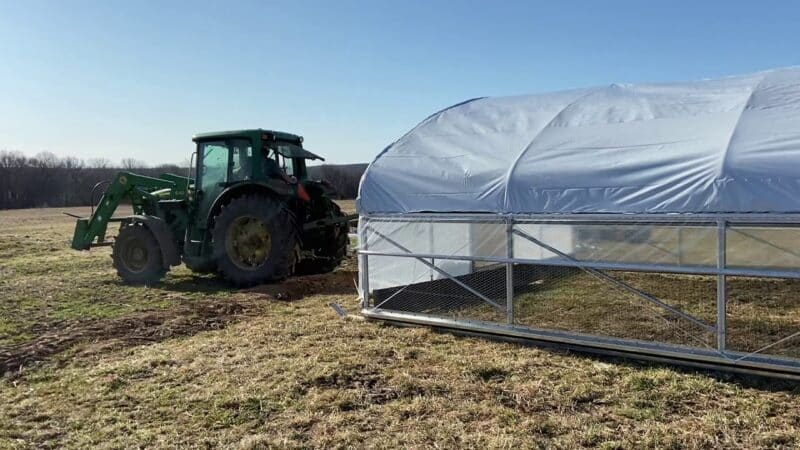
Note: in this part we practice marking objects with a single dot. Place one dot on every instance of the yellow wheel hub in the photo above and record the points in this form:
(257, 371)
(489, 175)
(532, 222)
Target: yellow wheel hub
(248, 242)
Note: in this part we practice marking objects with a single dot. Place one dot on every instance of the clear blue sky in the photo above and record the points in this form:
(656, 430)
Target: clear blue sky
(136, 79)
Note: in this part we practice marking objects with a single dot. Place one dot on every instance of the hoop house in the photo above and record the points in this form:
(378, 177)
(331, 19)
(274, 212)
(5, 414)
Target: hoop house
(655, 220)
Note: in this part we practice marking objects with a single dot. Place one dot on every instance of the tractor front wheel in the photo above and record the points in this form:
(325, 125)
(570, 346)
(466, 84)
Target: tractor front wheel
(137, 255)
(255, 241)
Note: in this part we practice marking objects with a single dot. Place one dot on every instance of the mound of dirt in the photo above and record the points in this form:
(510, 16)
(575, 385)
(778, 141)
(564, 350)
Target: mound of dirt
(335, 283)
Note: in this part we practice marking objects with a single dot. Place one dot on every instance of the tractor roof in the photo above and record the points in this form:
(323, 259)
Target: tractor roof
(290, 150)
(278, 135)
(290, 144)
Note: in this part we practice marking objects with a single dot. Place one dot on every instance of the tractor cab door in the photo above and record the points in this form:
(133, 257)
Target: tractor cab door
(220, 163)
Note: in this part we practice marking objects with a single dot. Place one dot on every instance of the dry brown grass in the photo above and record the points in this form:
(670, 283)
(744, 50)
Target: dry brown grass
(289, 373)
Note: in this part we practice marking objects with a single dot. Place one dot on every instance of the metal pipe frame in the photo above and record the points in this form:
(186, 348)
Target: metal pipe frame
(754, 219)
(632, 267)
(363, 264)
(721, 288)
(684, 355)
(510, 272)
(716, 358)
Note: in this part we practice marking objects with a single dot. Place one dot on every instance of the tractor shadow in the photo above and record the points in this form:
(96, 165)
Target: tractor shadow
(340, 282)
(208, 284)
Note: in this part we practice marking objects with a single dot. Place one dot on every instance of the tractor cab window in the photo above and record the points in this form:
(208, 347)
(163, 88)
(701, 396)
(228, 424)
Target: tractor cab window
(225, 162)
(241, 157)
(287, 165)
(213, 165)
(270, 166)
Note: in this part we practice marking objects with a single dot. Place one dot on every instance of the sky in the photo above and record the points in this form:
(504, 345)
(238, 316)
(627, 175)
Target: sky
(136, 79)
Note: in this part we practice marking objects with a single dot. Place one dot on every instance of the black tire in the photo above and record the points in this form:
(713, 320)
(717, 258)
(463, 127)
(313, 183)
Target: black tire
(281, 228)
(137, 255)
(332, 248)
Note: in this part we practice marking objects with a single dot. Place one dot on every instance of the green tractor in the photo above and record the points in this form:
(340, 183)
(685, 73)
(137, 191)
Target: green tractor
(250, 214)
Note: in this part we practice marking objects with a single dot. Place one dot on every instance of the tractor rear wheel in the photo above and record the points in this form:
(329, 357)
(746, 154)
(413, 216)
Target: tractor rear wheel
(331, 249)
(137, 255)
(255, 241)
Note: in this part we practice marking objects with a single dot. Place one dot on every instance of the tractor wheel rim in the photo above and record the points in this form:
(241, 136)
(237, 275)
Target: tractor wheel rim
(248, 242)
(135, 256)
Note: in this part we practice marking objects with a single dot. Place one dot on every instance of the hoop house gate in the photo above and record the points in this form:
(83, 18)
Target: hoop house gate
(660, 221)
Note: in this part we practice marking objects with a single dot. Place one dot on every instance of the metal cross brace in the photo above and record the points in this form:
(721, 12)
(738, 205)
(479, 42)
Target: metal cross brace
(437, 269)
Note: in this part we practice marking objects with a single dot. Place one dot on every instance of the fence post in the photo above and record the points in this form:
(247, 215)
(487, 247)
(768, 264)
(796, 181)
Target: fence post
(721, 290)
(431, 245)
(510, 270)
(363, 263)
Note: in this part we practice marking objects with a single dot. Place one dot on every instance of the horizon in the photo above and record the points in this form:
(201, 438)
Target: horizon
(116, 80)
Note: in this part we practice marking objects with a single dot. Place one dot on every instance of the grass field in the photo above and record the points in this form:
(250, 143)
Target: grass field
(91, 362)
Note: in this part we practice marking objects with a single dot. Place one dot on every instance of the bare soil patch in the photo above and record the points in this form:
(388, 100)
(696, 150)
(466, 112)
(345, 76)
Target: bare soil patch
(185, 318)
(134, 329)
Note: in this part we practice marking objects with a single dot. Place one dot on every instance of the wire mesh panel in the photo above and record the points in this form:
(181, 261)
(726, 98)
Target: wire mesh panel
(696, 287)
(455, 242)
(479, 295)
(672, 308)
(763, 316)
(678, 309)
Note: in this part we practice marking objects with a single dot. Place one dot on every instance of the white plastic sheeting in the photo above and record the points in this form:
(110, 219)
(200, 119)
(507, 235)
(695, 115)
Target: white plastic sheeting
(639, 244)
(451, 239)
(730, 145)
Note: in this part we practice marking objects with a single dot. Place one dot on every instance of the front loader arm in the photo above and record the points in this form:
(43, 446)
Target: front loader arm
(125, 185)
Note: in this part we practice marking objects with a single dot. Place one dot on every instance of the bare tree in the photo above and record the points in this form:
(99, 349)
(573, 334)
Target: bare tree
(99, 163)
(170, 168)
(46, 159)
(132, 163)
(12, 159)
(72, 163)
(344, 179)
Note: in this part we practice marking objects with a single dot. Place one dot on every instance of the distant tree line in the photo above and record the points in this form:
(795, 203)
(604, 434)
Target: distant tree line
(46, 180)
(344, 178)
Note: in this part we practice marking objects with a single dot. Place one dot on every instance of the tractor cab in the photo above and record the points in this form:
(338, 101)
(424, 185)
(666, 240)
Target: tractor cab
(230, 157)
(231, 163)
